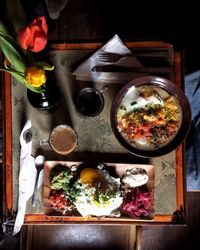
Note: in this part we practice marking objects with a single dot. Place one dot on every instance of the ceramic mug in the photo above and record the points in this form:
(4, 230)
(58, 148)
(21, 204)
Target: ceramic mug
(63, 139)
(90, 101)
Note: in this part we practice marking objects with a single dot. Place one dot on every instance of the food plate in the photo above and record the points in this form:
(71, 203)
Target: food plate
(150, 116)
(111, 191)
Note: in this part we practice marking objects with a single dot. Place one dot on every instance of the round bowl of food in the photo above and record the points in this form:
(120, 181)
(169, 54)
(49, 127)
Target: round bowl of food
(150, 116)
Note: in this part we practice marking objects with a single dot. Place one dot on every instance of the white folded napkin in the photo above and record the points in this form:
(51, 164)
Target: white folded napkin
(27, 177)
(84, 71)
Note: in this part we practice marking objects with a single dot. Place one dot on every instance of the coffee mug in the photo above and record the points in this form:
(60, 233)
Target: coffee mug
(63, 139)
(90, 101)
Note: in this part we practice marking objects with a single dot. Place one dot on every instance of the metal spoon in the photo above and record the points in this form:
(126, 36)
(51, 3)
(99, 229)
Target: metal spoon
(27, 135)
(39, 164)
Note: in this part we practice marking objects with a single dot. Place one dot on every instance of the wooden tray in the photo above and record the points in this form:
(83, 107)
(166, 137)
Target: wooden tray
(10, 165)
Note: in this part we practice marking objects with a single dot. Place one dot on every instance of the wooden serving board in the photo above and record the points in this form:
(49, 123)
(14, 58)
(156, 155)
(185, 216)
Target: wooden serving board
(115, 169)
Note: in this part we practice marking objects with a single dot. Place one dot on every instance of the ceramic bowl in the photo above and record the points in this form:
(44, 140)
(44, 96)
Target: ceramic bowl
(150, 116)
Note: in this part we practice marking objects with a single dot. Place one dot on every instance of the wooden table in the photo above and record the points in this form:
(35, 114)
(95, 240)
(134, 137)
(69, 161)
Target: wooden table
(170, 175)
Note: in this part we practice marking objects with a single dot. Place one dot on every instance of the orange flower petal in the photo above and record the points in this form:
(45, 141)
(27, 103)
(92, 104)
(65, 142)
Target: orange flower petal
(44, 26)
(24, 37)
(34, 37)
(39, 42)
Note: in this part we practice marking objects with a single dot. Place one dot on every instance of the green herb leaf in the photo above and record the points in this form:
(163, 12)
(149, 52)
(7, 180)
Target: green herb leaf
(133, 103)
(61, 180)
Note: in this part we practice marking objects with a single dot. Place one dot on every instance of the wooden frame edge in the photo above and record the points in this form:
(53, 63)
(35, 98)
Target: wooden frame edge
(76, 46)
(7, 145)
(180, 152)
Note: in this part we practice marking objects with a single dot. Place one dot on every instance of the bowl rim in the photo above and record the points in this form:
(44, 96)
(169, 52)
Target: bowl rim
(172, 89)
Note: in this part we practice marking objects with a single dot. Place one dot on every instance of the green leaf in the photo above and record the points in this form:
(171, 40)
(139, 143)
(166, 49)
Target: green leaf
(20, 77)
(5, 34)
(16, 74)
(11, 53)
(10, 67)
(44, 66)
(37, 90)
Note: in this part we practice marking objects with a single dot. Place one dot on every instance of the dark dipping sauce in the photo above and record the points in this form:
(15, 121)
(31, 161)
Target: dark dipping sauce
(90, 102)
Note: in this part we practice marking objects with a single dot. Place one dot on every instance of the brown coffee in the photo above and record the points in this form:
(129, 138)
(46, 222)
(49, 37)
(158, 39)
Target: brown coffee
(63, 139)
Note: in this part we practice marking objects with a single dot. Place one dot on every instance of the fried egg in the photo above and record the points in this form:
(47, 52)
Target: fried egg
(99, 193)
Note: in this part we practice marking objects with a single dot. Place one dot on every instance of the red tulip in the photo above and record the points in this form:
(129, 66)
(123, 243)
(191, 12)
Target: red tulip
(34, 36)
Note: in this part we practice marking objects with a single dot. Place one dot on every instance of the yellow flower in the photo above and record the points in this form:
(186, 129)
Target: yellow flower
(34, 76)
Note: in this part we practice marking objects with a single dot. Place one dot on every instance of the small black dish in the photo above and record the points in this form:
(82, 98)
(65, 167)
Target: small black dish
(90, 102)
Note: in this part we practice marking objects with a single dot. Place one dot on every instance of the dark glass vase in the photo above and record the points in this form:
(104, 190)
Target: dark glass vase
(46, 101)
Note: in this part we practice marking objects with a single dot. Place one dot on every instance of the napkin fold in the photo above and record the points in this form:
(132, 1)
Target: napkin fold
(114, 45)
(27, 175)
